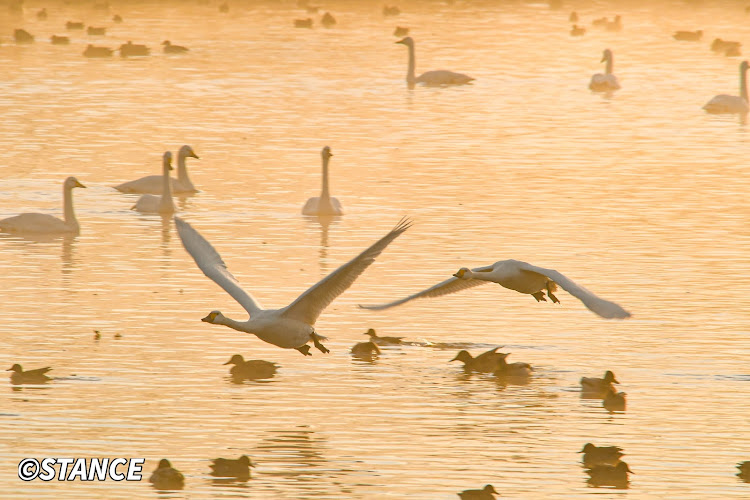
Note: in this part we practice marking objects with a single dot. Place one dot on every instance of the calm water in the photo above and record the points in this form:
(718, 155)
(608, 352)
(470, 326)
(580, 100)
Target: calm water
(639, 196)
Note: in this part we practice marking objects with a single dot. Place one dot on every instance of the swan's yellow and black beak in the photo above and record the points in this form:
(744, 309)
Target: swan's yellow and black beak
(78, 185)
(460, 273)
(402, 41)
(210, 318)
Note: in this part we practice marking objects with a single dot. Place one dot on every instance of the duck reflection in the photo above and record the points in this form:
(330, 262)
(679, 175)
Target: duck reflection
(293, 454)
(366, 351)
(608, 475)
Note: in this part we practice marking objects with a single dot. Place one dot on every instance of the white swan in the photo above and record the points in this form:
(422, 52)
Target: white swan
(521, 277)
(163, 204)
(724, 103)
(44, 223)
(323, 204)
(290, 327)
(607, 81)
(152, 184)
(431, 78)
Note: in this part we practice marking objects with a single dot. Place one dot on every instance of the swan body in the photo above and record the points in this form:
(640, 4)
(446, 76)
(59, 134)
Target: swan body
(324, 204)
(153, 184)
(290, 327)
(431, 78)
(601, 455)
(724, 103)
(606, 81)
(164, 204)
(521, 277)
(166, 477)
(44, 223)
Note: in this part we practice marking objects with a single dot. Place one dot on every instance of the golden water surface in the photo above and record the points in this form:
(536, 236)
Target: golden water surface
(639, 196)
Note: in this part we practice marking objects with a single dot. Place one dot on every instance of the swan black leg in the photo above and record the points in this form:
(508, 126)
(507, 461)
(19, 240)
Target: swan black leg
(305, 349)
(539, 296)
(316, 341)
(550, 295)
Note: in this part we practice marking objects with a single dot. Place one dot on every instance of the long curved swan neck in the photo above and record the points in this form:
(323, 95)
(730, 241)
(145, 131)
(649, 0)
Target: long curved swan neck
(610, 63)
(410, 75)
(478, 276)
(166, 202)
(743, 82)
(325, 194)
(69, 213)
(235, 325)
(182, 174)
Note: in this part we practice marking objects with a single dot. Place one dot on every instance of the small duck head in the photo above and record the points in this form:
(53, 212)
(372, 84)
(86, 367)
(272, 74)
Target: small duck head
(461, 274)
(609, 378)
(164, 464)
(371, 333)
(214, 317)
(490, 489)
(587, 448)
(463, 355)
(622, 468)
(245, 461)
(237, 359)
(15, 368)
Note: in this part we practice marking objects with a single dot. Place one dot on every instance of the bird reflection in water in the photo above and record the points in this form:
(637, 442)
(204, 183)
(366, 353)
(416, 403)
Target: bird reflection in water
(231, 471)
(366, 351)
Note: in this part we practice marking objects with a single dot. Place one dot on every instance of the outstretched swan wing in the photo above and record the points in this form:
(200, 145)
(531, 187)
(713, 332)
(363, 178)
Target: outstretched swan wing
(310, 304)
(603, 308)
(209, 261)
(450, 285)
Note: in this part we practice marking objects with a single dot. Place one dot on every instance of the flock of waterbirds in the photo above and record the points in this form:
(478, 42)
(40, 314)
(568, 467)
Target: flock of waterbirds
(292, 327)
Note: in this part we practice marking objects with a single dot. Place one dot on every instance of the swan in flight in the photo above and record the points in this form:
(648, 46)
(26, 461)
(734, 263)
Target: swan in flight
(724, 103)
(152, 184)
(44, 223)
(521, 277)
(607, 81)
(431, 78)
(323, 204)
(290, 327)
(159, 204)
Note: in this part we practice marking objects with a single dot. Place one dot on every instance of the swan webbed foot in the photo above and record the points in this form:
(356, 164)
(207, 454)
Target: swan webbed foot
(305, 350)
(539, 296)
(316, 342)
(555, 300)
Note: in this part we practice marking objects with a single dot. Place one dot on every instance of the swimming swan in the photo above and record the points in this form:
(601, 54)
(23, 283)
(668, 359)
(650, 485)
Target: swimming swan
(43, 223)
(323, 204)
(521, 277)
(607, 81)
(152, 184)
(159, 204)
(724, 103)
(431, 78)
(290, 327)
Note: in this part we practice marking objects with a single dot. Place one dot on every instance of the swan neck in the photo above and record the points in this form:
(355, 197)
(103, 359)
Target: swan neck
(235, 325)
(68, 212)
(410, 76)
(325, 193)
(743, 84)
(182, 175)
(478, 276)
(166, 204)
(609, 64)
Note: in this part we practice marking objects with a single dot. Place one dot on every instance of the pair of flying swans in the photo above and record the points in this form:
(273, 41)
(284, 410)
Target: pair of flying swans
(164, 204)
(431, 78)
(290, 327)
(521, 277)
(36, 223)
